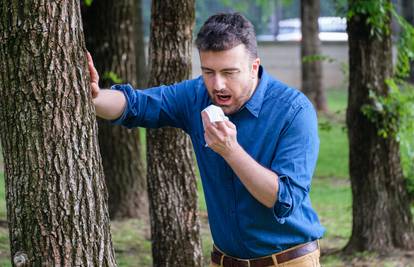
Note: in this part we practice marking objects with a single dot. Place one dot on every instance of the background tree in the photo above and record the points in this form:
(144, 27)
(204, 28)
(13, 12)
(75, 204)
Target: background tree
(381, 213)
(111, 27)
(171, 179)
(140, 47)
(407, 8)
(310, 50)
(55, 190)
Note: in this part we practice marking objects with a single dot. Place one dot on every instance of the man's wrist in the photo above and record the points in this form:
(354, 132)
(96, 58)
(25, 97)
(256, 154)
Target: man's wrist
(231, 154)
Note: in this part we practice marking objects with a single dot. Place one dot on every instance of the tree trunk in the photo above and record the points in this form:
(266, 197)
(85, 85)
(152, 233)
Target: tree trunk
(407, 7)
(55, 191)
(110, 30)
(381, 213)
(310, 46)
(141, 63)
(171, 179)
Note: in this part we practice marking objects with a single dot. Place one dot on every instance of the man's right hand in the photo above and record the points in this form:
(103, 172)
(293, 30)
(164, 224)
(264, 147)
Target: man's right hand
(94, 77)
(109, 104)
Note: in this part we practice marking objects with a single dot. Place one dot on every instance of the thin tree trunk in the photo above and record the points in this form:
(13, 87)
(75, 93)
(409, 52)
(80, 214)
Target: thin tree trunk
(382, 219)
(141, 64)
(310, 46)
(55, 191)
(408, 13)
(110, 30)
(171, 179)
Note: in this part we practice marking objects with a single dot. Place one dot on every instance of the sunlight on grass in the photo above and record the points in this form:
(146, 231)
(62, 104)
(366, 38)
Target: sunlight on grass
(333, 153)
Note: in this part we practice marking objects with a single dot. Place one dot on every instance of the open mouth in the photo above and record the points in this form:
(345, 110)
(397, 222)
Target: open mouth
(223, 99)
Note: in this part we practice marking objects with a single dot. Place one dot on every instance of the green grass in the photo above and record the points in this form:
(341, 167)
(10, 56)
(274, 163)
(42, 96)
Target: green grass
(333, 151)
(337, 99)
(131, 240)
(3, 213)
(332, 199)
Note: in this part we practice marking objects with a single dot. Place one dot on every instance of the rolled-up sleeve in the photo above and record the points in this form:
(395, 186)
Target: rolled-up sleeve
(295, 160)
(155, 107)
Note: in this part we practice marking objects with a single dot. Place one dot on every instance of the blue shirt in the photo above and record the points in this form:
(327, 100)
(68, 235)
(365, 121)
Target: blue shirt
(277, 127)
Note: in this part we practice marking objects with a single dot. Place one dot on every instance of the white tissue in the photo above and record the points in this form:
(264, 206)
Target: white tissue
(215, 113)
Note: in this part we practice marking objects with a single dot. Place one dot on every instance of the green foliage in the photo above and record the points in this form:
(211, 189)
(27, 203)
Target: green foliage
(405, 47)
(88, 2)
(385, 111)
(376, 12)
(318, 57)
(111, 77)
(265, 8)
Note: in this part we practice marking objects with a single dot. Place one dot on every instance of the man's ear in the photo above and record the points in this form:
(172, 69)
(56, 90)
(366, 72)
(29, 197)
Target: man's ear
(255, 67)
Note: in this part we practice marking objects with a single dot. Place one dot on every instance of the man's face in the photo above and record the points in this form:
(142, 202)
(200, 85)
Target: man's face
(230, 77)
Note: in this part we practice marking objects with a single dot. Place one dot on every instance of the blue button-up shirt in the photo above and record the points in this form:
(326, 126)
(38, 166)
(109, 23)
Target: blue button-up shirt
(277, 127)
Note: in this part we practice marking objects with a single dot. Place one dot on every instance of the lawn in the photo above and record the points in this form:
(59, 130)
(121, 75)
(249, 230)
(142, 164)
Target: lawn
(330, 194)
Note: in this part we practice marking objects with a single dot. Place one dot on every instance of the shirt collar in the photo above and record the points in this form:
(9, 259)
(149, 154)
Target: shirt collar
(254, 104)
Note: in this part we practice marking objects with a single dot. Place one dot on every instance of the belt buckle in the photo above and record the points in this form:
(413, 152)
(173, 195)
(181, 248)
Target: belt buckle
(243, 260)
(248, 262)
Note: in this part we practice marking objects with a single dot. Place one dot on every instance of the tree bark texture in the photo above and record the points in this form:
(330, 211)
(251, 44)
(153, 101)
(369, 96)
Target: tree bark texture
(55, 191)
(310, 46)
(171, 179)
(381, 214)
(407, 8)
(110, 32)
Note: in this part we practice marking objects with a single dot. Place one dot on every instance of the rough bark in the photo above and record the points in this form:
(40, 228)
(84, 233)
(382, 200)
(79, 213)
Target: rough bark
(55, 191)
(381, 214)
(171, 179)
(110, 31)
(407, 8)
(310, 46)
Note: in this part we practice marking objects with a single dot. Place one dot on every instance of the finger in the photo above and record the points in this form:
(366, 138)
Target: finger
(207, 139)
(92, 70)
(213, 131)
(206, 119)
(88, 56)
(230, 124)
(222, 127)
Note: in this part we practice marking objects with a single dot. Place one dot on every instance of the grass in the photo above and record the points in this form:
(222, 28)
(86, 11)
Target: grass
(330, 194)
(332, 199)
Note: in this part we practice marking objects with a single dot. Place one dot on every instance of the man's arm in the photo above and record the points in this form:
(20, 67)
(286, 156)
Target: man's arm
(262, 183)
(109, 104)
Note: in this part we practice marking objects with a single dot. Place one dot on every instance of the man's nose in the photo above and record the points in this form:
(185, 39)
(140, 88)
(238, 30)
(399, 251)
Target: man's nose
(219, 82)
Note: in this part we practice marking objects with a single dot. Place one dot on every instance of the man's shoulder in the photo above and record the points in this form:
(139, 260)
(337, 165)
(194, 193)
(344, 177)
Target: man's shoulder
(284, 94)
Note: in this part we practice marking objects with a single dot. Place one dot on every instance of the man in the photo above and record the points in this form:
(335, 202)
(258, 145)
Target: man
(257, 167)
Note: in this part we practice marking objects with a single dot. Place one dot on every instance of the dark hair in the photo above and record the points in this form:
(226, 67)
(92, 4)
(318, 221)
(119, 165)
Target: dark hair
(224, 31)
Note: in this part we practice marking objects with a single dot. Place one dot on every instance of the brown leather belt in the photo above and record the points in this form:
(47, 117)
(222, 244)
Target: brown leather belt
(218, 257)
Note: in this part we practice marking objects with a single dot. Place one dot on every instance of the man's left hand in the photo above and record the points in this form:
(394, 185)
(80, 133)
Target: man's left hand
(220, 136)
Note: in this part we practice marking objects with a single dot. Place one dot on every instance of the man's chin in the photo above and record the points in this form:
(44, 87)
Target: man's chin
(228, 110)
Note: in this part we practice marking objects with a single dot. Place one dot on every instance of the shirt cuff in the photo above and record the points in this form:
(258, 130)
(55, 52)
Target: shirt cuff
(122, 88)
(283, 205)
